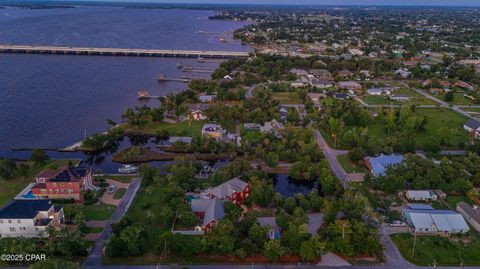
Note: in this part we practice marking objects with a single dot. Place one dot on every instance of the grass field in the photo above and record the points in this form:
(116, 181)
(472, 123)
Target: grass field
(119, 193)
(287, 98)
(440, 250)
(348, 165)
(452, 201)
(93, 230)
(119, 178)
(10, 188)
(184, 128)
(98, 211)
(437, 118)
(458, 99)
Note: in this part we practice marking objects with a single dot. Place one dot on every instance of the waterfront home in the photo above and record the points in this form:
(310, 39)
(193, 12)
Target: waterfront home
(198, 110)
(378, 165)
(198, 115)
(205, 98)
(470, 213)
(234, 190)
(214, 131)
(472, 126)
(399, 97)
(63, 183)
(431, 221)
(421, 195)
(29, 218)
(209, 211)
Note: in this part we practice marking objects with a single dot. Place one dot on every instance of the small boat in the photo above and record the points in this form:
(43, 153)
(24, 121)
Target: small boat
(200, 32)
(223, 40)
(179, 65)
(143, 94)
(128, 169)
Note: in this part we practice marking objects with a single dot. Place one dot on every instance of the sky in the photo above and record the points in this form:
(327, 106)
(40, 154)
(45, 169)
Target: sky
(315, 2)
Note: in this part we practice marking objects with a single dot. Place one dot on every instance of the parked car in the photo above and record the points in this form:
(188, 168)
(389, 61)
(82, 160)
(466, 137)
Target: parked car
(112, 188)
(397, 223)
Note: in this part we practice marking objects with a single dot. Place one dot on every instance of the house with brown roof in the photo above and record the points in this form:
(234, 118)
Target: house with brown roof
(63, 183)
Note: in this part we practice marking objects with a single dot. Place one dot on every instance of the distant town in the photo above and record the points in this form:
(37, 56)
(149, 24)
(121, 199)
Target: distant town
(369, 117)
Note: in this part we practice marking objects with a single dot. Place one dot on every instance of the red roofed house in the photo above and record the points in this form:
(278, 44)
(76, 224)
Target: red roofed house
(63, 183)
(234, 190)
(463, 84)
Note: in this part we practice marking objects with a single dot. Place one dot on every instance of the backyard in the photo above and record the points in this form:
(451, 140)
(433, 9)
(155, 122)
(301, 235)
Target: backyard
(430, 250)
(98, 211)
(348, 165)
(184, 128)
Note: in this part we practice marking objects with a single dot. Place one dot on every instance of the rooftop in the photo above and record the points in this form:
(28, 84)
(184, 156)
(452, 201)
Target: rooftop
(24, 209)
(213, 209)
(381, 163)
(228, 188)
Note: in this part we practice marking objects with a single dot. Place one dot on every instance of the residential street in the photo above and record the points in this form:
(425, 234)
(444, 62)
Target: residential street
(95, 257)
(331, 155)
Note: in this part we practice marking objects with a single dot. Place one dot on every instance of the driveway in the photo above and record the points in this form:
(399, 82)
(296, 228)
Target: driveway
(107, 198)
(95, 256)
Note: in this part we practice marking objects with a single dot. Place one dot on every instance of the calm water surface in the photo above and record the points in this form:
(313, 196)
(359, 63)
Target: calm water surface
(49, 101)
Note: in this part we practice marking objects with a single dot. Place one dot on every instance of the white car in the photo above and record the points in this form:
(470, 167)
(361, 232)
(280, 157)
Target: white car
(112, 188)
(397, 223)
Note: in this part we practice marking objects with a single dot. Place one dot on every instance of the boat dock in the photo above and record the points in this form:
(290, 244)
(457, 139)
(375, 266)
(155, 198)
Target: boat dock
(199, 54)
(163, 78)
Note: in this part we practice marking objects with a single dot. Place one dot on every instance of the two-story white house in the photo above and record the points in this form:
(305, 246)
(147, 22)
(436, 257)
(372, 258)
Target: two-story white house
(29, 218)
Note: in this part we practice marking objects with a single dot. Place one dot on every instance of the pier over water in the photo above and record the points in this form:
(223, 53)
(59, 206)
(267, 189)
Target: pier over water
(122, 52)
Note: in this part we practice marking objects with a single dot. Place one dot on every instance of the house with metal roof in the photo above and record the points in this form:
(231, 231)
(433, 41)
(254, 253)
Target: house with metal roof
(29, 218)
(470, 213)
(234, 190)
(420, 206)
(421, 195)
(210, 211)
(472, 126)
(378, 165)
(435, 221)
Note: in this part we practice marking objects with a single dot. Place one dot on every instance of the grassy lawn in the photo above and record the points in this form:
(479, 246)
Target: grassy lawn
(443, 251)
(184, 128)
(287, 98)
(458, 99)
(348, 165)
(119, 178)
(327, 101)
(437, 118)
(98, 211)
(10, 188)
(119, 193)
(452, 201)
(93, 230)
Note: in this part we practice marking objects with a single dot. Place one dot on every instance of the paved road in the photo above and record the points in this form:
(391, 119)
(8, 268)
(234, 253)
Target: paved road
(95, 257)
(331, 156)
(263, 266)
(442, 103)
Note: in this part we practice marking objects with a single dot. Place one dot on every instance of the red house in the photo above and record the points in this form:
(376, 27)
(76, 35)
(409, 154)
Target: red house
(63, 183)
(210, 211)
(234, 190)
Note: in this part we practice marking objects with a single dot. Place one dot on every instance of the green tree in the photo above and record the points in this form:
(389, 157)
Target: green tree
(273, 250)
(55, 264)
(39, 157)
(7, 168)
(449, 96)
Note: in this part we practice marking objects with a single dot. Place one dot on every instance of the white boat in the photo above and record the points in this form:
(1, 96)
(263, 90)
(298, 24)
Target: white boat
(128, 169)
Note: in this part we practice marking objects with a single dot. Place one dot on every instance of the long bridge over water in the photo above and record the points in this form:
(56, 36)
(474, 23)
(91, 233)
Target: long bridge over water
(122, 52)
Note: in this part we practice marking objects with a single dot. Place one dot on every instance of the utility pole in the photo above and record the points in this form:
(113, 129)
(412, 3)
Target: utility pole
(414, 243)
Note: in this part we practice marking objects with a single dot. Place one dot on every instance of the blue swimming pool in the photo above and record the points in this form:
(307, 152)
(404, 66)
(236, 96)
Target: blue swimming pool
(29, 195)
